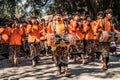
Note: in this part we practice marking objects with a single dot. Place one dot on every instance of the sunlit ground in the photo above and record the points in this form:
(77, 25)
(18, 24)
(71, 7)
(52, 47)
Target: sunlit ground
(46, 70)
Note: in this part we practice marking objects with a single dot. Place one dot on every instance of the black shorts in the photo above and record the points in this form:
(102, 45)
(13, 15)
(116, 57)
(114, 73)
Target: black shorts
(62, 63)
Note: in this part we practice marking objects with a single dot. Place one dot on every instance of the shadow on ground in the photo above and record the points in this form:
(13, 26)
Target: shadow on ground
(45, 70)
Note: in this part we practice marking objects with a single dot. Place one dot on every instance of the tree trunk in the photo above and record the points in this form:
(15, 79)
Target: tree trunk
(91, 8)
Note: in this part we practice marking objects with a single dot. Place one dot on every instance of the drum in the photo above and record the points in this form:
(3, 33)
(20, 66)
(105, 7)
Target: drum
(105, 36)
(50, 39)
(69, 39)
(112, 47)
(57, 39)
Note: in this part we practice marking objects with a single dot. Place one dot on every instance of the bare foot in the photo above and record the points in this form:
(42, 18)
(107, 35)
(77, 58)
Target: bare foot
(57, 73)
(47, 55)
(33, 63)
(104, 68)
(67, 74)
(83, 61)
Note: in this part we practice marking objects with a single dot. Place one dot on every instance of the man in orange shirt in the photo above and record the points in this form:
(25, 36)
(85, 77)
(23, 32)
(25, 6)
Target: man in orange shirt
(43, 33)
(87, 29)
(1, 30)
(61, 56)
(97, 27)
(5, 38)
(15, 43)
(33, 32)
(109, 27)
(89, 37)
(75, 28)
(24, 47)
(72, 27)
(6, 33)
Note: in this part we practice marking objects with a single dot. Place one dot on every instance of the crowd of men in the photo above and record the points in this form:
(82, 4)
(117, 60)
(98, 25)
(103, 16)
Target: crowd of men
(36, 37)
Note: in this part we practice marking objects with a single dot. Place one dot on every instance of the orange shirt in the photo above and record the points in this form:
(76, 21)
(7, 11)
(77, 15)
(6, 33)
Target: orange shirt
(72, 29)
(6, 34)
(16, 36)
(59, 27)
(80, 32)
(96, 27)
(33, 33)
(43, 32)
(88, 31)
(107, 25)
(1, 30)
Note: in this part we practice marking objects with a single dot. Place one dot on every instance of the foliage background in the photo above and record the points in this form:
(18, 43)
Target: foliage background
(22, 9)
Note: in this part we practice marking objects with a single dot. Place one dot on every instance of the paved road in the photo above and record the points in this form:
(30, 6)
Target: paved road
(46, 69)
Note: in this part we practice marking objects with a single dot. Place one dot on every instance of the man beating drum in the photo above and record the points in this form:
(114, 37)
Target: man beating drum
(107, 27)
(76, 28)
(97, 28)
(33, 32)
(57, 27)
(15, 38)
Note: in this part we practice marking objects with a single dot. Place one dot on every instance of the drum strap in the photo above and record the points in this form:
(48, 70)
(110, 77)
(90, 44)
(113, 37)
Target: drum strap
(103, 24)
(0, 38)
(54, 26)
(65, 26)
